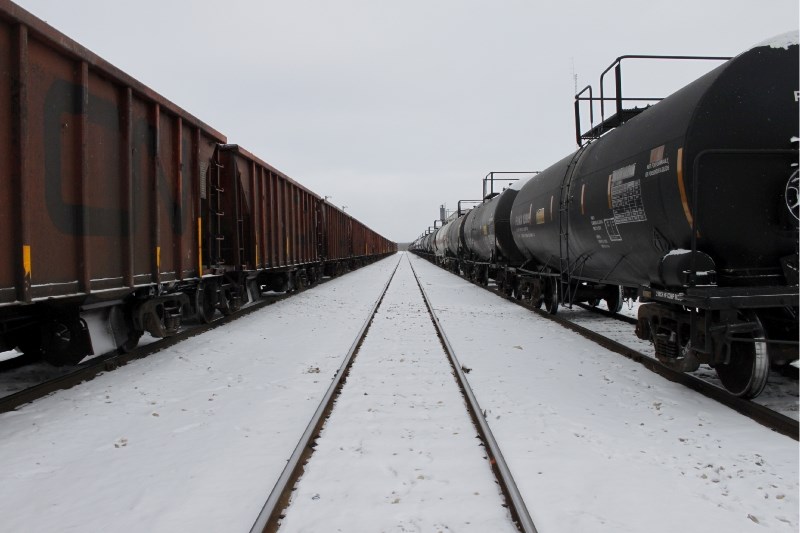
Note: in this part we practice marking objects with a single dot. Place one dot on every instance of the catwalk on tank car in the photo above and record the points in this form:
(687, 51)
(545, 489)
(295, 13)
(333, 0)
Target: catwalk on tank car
(122, 213)
(689, 204)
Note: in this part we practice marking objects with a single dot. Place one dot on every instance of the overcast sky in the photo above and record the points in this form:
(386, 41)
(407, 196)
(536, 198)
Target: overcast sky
(393, 108)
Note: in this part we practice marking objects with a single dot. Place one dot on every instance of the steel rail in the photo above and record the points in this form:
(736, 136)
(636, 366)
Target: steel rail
(519, 510)
(278, 499)
(773, 420)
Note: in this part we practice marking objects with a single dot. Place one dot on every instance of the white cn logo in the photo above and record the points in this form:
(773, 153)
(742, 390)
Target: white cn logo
(797, 96)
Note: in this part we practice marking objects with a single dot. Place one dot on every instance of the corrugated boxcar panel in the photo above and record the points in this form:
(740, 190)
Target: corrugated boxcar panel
(104, 182)
(338, 228)
(255, 223)
(200, 149)
(261, 184)
(359, 239)
(53, 173)
(338, 232)
(287, 221)
(301, 227)
(274, 228)
(182, 202)
(288, 212)
(247, 213)
(295, 217)
(143, 192)
(291, 223)
(308, 230)
(281, 203)
(313, 215)
(277, 216)
(270, 237)
(301, 235)
(332, 233)
(76, 168)
(344, 230)
(167, 187)
(9, 202)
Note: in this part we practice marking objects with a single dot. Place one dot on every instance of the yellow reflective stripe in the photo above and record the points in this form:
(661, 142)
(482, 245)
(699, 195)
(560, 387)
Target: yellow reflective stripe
(26, 260)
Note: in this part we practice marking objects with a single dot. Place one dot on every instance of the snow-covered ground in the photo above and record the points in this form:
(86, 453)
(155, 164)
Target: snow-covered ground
(194, 437)
(598, 443)
(399, 451)
(780, 394)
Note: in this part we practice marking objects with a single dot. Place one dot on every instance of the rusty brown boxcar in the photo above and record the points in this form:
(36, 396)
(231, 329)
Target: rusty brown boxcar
(100, 173)
(121, 211)
(261, 225)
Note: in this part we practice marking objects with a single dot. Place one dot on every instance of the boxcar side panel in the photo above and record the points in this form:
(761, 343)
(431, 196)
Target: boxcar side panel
(53, 178)
(10, 212)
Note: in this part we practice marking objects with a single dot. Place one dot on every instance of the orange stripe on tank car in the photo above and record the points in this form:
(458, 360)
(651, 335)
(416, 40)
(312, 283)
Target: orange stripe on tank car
(609, 191)
(551, 208)
(682, 189)
(583, 196)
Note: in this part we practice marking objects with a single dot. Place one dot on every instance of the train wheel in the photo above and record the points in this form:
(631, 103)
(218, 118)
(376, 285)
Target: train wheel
(206, 302)
(62, 341)
(614, 300)
(233, 300)
(131, 343)
(126, 337)
(551, 295)
(746, 373)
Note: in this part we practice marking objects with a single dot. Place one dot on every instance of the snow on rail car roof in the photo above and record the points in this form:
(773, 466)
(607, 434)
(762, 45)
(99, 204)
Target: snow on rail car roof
(784, 40)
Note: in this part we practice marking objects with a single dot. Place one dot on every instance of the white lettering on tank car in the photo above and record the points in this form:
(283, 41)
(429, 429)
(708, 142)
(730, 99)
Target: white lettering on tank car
(612, 230)
(669, 295)
(626, 202)
(658, 163)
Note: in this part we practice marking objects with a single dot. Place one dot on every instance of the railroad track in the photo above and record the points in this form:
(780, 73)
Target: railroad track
(507, 484)
(763, 415)
(273, 511)
(107, 362)
(270, 515)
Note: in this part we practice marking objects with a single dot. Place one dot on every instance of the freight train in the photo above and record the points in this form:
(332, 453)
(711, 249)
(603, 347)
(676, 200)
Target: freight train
(122, 213)
(689, 204)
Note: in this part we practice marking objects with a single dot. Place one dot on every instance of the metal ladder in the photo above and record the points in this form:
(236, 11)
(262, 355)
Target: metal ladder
(215, 208)
(239, 222)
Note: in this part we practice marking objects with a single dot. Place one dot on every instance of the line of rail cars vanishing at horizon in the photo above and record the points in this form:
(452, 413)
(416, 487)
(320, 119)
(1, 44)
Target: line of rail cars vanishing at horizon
(689, 204)
(122, 211)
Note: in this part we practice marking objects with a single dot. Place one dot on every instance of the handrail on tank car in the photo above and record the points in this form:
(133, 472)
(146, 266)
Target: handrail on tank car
(617, 98)
(490, 178)
(476, 202)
